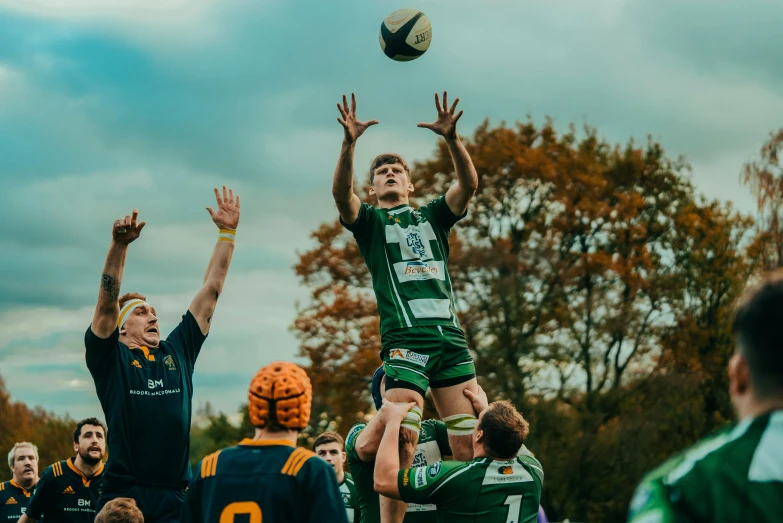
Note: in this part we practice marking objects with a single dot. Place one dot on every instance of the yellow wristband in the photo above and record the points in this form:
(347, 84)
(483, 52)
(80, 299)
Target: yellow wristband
(227, 235)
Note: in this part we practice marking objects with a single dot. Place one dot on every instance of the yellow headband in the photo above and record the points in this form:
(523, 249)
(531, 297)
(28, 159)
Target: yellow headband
(127, 309)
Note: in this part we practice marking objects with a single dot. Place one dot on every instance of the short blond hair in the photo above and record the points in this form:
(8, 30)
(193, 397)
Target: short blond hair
(120, 510)
(25, 444)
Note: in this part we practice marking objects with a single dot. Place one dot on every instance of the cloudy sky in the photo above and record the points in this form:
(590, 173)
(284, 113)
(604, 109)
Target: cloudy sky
(110, 105)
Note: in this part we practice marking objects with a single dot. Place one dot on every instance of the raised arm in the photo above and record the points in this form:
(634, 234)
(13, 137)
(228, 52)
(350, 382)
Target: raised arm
(458, 196)
(226, 218)
(107, 311)
(370, 439)
(345, 198)
(387, 462)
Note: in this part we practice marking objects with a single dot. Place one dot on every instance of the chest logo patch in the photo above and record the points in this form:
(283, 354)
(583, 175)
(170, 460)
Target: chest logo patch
(11, 501)
(169, 362)
(136, 364)
(69, 490)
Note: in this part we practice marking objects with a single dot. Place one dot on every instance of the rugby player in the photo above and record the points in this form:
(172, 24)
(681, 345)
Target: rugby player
(144, 383)
(407, 251)
(500, 483)
(120, 510)
(268, 478)
(737, 473)
(15, 493)
(68, 490)
(330, 447)
(361, 448)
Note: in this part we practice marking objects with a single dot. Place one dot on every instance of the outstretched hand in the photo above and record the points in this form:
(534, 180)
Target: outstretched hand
(125, 230)
(353, 128)
(227, 214)
(479, 401)
(446, 123)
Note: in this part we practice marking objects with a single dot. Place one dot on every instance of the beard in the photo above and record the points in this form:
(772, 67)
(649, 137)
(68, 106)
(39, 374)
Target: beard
(88, 459)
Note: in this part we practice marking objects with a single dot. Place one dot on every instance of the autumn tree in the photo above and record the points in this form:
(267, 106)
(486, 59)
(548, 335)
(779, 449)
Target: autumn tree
(593, 286)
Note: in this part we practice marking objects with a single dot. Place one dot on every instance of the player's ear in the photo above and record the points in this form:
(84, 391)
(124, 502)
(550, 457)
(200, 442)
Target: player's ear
(739, 375)
(345, 456)
(76, 447)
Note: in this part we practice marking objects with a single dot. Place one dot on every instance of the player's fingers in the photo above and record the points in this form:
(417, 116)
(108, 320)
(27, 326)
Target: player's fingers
(140, 226)
(342, 111)
(372, 122)
(231, 196)
(345, 103)
(353, 103)
(342, 122)
(211, 211)
(459, 115)
(134, 216)
(237, 201)
(454, 105)
(217, 196)
(126, 221)
(225, 194)
(445, 101)
(424, 125)
(469, 393)
(437, 102)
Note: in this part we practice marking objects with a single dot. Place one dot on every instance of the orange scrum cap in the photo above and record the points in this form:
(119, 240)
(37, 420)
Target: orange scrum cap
(280, 392)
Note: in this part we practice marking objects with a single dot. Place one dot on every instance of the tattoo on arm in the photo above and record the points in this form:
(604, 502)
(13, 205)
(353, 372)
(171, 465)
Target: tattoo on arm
(110, 287)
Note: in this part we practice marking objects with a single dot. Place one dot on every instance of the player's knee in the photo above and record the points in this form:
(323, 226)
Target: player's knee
(460, 424)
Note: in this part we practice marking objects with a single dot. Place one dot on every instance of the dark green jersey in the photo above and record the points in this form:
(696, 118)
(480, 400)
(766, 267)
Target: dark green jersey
(264, 480)
(146, 395)
(407, 253)
(350, 499)
(480, 491)
(65, 495)
(735, 475)
(13, 501)
(433, 446)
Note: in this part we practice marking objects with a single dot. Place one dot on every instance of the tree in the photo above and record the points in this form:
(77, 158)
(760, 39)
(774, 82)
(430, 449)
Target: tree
(589, 275)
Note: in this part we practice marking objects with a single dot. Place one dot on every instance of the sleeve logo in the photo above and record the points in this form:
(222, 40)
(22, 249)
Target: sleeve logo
(433, 469)
(421, 477)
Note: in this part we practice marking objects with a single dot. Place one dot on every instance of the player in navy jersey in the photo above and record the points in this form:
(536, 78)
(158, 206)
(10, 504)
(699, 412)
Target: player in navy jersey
(68, 490)
(15, 493)
(144, 383)
(268, 478)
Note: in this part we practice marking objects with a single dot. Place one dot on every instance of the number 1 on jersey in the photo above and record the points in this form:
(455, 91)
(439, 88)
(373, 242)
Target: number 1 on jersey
(514, 511)
(241, 507)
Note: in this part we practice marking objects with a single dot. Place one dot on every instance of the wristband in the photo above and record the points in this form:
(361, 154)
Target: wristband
(227, 235)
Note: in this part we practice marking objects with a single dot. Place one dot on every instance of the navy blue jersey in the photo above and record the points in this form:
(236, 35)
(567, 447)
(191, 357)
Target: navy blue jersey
(264, 480)
(65, 495)
(146, 397)
(13, 501)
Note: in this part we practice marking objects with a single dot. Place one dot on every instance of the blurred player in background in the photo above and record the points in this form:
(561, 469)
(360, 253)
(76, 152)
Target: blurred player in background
(737, 473)
(268, 478)
(15, 493)
(500, 484)
(145, 383)
(120, 510)
(68, 490)
(361, 447)
(407, 251)
(330, 447)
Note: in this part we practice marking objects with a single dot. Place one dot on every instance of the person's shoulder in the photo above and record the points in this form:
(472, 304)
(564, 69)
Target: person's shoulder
(353, 434)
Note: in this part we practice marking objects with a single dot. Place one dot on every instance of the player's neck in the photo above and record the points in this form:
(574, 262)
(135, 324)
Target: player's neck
(755, 408)
(341, 477)
(26, 484)
(391, 203)
(85, 468)
(289, 435)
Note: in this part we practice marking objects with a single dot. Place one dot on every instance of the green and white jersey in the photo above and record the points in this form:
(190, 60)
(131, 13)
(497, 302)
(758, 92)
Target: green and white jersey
(407, 252)
(433, 446)
(350, 499)
(735, 475)
(480, 491)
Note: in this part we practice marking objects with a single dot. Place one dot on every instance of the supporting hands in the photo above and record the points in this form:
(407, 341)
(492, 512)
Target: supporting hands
(125, 230)
(227, 215)
(391, 412)
(446, 123)
(353, 128)
(479, 401)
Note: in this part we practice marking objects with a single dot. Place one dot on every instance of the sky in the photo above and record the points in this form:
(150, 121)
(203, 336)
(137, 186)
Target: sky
(110, 105)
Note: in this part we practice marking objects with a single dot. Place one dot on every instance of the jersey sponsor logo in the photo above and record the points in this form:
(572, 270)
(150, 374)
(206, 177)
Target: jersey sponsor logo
(11, 501)
(136, 364)
(414, 241)
(84, 502)
(346, 499)
(152, 384)
(164, 392)
(421, 477)
(405, 479)
(169, 362)
(433, 469)
(69, 490)
(409, 355)
(506, 470)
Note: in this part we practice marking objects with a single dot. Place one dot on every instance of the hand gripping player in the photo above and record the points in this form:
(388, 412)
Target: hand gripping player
(268, 478)
(144, 383)
(406, 251)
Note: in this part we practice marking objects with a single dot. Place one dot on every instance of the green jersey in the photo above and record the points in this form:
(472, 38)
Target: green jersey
(407, 252)
(734, 475)
(480, 491)
(433, 446)
(350, 498)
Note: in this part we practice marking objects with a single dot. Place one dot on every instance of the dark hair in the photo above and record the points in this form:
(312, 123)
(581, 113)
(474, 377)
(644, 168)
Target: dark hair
(128, 296)
(756, 329)
(87, 421)
(387, 159)
(328, 437)
(120, 510)
(504, 430)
